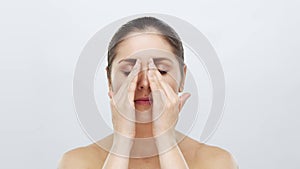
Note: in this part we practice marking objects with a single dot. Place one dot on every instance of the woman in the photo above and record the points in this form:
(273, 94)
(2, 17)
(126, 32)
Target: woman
(145, 73)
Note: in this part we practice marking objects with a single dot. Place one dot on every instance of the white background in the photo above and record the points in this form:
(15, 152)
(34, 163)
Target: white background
(256, 41)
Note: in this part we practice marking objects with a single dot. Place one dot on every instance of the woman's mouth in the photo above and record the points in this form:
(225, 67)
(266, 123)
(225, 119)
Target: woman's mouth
(143, 101)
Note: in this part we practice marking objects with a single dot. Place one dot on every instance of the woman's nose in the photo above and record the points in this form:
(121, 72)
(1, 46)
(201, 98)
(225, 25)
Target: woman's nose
(143, 82)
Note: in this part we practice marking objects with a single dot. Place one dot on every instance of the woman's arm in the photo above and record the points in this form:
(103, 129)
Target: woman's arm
(123, 116)
(166, 107)
(118, 158)
(173, 159)
(170, 158)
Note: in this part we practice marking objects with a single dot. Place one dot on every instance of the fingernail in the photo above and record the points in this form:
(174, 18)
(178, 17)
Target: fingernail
(188, 95)
(150, 73)
(137, 62)
(152, 65)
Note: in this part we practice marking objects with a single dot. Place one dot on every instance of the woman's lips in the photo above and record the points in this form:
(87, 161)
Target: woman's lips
(143, 101)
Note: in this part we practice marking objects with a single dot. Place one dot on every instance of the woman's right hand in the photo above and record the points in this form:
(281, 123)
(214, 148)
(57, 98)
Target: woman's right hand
(122, 105)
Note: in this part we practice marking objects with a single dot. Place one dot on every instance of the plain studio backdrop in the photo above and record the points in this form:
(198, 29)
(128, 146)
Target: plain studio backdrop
(256, 41)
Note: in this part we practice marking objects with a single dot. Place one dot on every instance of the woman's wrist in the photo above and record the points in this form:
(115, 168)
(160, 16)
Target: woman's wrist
(165, 141)
(121, 145)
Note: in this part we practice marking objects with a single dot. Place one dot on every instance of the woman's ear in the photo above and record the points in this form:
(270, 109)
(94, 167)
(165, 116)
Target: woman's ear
(181, 87)
(109, 83)
(110, 94)
(110, 90)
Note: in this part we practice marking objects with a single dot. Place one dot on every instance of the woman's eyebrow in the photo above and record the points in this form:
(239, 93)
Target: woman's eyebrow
(161, 59)
(154, 59)
(128, 60)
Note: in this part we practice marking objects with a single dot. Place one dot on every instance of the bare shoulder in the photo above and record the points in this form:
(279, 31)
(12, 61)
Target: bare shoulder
(200, 155)
(216, 157)
(90, 156)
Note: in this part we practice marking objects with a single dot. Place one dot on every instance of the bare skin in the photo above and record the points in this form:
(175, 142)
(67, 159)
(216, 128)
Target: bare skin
(145, 79)
(197, 156)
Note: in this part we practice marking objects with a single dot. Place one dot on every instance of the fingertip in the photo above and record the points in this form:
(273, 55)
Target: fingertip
(185, 96)
(188, 95)
(150, 60)
(151, 64)
(138, 61)
(150, 73)
(110, 94)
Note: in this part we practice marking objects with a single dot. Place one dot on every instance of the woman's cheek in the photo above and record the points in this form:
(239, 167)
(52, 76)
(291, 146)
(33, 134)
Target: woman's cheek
(117, 81)
(173, 79)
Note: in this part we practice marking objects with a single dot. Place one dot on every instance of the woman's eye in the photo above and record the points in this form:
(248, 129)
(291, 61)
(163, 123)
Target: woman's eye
(163, 72)
(126, 69)
(126, 73)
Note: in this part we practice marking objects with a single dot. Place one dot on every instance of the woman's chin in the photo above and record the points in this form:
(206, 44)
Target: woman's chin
(142, 107)
(143, 111)
(143, 114)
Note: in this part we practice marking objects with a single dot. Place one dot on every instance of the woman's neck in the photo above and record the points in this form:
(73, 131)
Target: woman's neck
(143, 130)
(144, 143)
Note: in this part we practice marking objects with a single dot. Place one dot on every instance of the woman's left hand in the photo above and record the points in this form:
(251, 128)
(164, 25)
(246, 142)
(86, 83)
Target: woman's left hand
(166, 103)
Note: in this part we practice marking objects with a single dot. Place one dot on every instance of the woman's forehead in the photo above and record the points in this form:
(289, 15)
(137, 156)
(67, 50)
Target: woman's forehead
(147, 54)
(140, 42)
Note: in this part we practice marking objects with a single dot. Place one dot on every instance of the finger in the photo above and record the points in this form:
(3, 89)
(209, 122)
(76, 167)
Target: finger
(182, 99)
(124, 98)
(153, 81)
(131, 90)
(135, 70)
(130, 84)
(110, 94)
(158, 96)
(154, 85)
(151, 64)
(165, 87)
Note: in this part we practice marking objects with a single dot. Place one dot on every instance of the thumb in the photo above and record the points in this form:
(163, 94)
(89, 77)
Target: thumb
(110, 94)
(182, 99)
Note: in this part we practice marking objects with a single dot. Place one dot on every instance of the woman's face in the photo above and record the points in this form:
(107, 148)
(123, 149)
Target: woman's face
(145, 46)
